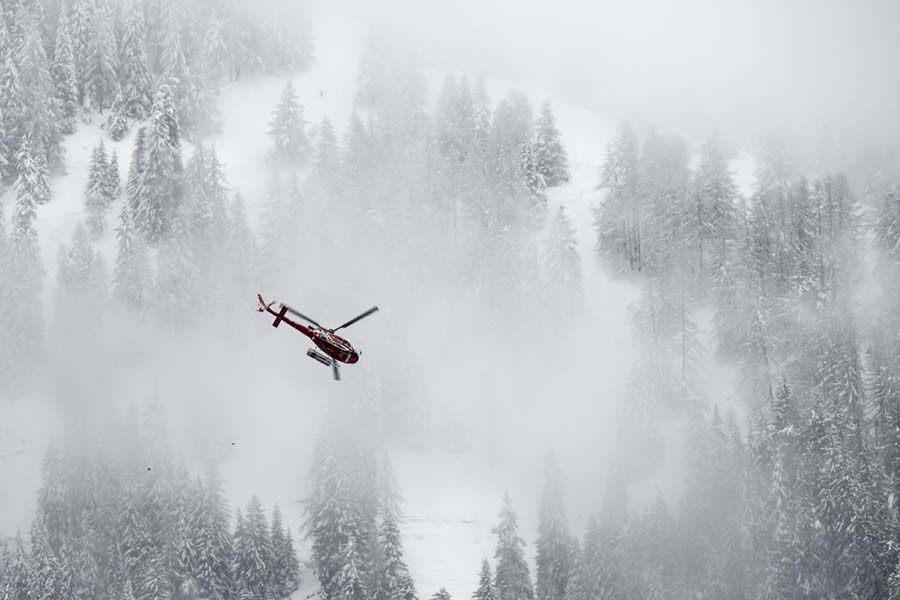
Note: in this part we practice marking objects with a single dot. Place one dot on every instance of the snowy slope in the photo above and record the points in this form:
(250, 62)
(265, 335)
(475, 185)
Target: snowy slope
(451, 500)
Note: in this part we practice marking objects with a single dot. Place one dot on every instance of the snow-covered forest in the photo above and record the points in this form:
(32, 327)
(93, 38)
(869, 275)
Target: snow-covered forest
(624, 350)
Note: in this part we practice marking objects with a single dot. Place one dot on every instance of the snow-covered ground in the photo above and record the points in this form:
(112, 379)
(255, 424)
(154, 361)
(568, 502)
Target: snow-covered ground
(451, 500)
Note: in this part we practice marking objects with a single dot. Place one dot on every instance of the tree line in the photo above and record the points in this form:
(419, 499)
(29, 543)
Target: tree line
(800, 280)
(127, 520)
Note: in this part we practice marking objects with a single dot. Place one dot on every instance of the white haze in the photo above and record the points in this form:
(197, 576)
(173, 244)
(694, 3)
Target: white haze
(818, 71)
(254, 401)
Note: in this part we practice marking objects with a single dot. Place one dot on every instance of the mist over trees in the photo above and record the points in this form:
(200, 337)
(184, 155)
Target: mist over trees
(799, 280)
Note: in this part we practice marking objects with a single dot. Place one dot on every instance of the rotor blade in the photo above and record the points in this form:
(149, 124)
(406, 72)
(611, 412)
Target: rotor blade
(355, 319)
(335, 370)
(302, 316)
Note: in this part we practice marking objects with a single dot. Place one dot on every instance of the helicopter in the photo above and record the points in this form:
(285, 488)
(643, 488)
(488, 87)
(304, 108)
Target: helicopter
(334, 348)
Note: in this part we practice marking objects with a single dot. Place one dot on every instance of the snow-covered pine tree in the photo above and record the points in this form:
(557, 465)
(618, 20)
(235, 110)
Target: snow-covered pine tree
(178, 274)
(126, 592)
(39, 116)
(25, 326)
(100, 77)
(113, 179)
(887, 227)
(287, 127)
(550, 158)
(206, 189)
(158, 190)
(253, 558)
(337, 523)
(328, 159)
(442, 594)
(134, 77)
(81, 275)
(132, 276)
(285, 568)
(135, 172)
(97, 193)
(554, 565)
(10, 107)
(618, 218)
(47, 573)
(717, 216)
(19, 575)
(511, 130)
(534, 179)
(395, 582)
(485, 589)
(562, 267)
(63, 71)
(215, 52)
(5, 280)
(82, 32)
(240, 545)
(211, 543)
(512, 579)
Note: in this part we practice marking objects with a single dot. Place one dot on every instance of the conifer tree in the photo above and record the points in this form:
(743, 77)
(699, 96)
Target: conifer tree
(135, 172)
(512, 580)
(158, 193)
(887, 227)
(4, 293)
(25, 327)
(395, 581)
(211, 559)
(340, 520)
(82, 31)
(285, 569)
(553, 544)
(39, 118)
(134, 75)
(511, 131)
(100, 74)
(131, 277)
(327, 160)
(349, 582)
(441, 594)
(253, 557)
(287, 127)
(215, 51)
(113, 180)
(561, 263)
(20, 573)
(177, 274)
(81, 275)
(534, 179)
(485, 589)
(97, 196)
(126, 592)
(550, 159)
(64, 74)
(47, 572)
(619, 217)
(10, 103)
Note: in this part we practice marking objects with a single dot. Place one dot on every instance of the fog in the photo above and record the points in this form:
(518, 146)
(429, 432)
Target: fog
(662, 319)
(807, 68)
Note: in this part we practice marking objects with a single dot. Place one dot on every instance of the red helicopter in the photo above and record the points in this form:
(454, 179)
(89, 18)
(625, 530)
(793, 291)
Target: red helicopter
(336, 349)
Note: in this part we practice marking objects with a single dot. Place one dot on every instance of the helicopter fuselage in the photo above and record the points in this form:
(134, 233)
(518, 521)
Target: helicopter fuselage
(336, 347)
